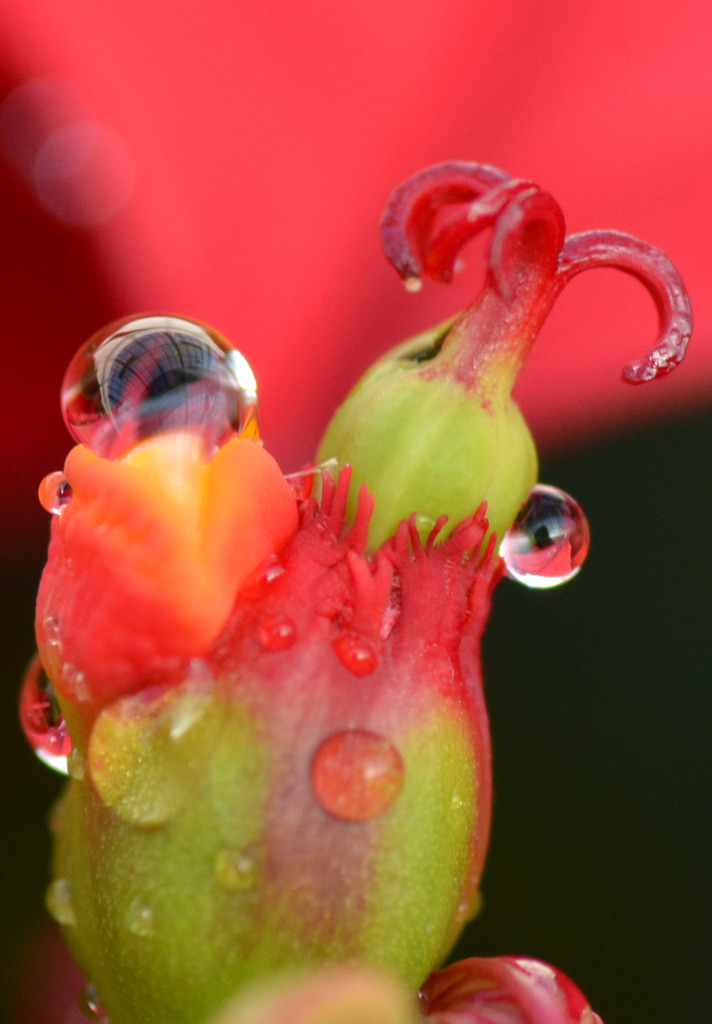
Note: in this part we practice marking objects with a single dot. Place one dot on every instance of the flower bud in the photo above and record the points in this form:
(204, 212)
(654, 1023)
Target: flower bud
(432, 427)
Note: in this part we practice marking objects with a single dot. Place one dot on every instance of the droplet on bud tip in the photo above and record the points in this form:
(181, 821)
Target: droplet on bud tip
(142, 377)
(413, 284)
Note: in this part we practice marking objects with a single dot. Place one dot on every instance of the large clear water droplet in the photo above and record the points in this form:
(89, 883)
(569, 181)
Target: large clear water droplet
(356, 775)
(42, 719)
(141, 377)
(548, 542)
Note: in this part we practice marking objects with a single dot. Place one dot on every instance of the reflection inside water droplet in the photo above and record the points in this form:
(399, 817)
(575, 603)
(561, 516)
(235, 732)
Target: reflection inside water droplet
(356, 774)
(548, 542)
(42, 720)
(142, 377)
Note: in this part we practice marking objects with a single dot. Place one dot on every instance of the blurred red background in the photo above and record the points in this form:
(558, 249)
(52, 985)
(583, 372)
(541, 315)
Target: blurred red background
(231, 161)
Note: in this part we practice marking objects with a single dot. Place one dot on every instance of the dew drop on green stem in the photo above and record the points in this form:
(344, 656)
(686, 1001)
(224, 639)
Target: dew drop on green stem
(548, 542)
(145, 376)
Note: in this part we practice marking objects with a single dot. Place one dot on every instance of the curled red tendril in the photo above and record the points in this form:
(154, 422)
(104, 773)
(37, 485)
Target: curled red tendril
(436, 212)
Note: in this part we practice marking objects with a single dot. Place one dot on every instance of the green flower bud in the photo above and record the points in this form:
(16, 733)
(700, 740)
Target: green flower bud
(432, 428)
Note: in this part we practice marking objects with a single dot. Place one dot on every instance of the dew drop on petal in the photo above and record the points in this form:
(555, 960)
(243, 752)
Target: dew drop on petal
(276, 632)
(356, 775)
(55, 493)
(139, 919)
(548, 542)
(355, 654)
(141, 377)
(42, 720)
(234, 870)
(58, 900)
(91, 1005)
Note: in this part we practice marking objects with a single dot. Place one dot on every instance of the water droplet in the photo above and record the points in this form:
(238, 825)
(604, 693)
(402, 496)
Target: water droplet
(424, 524)
(50, 626)
(75, 765)
(273, 569)
(355, 654)
(58, 900)
(412, 284)
(91, 1005)
(302, 482)
(356, 775)
(75, 680)
(55, 493)
(42, 719)
(234, 869)
(276, 632)
(139, 919)
(138, 378)
(469, 908)
(548, 542)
